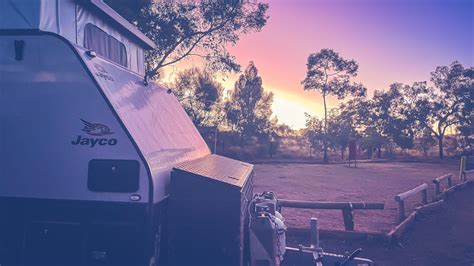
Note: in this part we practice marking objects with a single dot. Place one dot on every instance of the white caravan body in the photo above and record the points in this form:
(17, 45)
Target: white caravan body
(84, 142)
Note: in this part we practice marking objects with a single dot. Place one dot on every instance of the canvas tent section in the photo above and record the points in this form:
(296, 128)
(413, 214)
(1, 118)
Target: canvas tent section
(87, 20)
(56, 16)
(86, 23)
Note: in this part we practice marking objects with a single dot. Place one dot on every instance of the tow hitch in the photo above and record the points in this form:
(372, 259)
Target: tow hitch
(267, 239)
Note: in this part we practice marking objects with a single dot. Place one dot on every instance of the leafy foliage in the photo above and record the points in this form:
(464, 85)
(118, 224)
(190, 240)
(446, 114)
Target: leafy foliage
(330, 74)
(393, 116)
(314, 132)
(426, 140)
(447, 105)
(340, 130)
(200, 95)
(197, 28)
(249, 106)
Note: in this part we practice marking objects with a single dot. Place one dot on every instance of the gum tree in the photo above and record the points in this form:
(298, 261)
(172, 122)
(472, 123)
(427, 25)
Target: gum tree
(200, 95)
(439, 108)
(203, 29)
(331, 75)
(249, 107)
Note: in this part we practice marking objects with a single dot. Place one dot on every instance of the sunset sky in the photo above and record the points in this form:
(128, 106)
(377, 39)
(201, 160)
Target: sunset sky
(392, 40)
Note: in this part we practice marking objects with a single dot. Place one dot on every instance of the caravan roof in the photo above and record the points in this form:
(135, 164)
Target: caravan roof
(71, 19)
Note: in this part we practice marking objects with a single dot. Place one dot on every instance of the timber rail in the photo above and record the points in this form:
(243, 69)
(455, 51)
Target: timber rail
(400, 198)
(438, 193)
(347, 208)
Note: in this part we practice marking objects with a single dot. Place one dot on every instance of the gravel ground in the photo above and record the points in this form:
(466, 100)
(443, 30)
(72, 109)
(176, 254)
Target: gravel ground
(370, 182)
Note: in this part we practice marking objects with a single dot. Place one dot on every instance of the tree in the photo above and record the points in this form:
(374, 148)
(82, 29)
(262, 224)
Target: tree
(340, 130)
(283, 130)
(248, 108)
(200, 95)
(204, 29)
(360, 113)
(357, 111)
(466, 118)
(438, 109)
(392, 115)
(314, 132)
(425, 141)
(330, 74)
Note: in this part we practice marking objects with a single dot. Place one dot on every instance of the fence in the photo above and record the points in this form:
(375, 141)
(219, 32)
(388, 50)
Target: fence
(467, 166)
(347, 208)
(400, 198)
(437, 182)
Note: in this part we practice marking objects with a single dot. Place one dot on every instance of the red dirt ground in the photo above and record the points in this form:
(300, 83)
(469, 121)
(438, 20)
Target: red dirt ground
(370, 182)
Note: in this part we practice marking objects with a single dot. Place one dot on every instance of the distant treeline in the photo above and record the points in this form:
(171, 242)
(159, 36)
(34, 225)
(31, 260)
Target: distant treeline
(404, 116)
(401, 119)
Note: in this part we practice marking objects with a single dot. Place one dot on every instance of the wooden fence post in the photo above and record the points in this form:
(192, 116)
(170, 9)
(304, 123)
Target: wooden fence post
(348, 216)
(314, 233)
(437, 191)
(437, 182)
(401, 210)
(400, 198)
(424, 196)
(462, 170)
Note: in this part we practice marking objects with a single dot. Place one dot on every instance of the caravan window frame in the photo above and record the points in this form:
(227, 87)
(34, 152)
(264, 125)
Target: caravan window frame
(113, 175)
(121, 56)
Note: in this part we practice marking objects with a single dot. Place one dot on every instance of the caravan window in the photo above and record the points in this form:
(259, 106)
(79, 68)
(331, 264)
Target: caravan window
(113, 175)
(105, 45)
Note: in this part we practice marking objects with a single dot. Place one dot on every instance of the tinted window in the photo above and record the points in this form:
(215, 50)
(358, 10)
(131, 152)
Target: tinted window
(105, 45)
(113, 175)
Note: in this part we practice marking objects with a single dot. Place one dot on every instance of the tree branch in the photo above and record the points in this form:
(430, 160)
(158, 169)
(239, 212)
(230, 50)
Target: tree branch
(185, 54)
(211, 29)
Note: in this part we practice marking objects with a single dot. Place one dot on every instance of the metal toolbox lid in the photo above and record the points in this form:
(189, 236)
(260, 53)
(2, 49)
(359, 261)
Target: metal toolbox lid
(218, 168)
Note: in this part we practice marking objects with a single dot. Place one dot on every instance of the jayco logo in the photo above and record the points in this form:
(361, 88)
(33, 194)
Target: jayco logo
(102, 73)
(96, 130)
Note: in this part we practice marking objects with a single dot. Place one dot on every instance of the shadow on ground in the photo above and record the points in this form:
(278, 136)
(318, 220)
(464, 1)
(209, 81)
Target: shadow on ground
(444, 237)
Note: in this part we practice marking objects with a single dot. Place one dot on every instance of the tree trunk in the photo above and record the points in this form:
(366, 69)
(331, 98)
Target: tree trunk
(271, 149)
(440, 146)
(379, 152)
(325, 148)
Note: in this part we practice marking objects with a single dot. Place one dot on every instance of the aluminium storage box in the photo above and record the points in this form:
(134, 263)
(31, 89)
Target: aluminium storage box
(208, 216)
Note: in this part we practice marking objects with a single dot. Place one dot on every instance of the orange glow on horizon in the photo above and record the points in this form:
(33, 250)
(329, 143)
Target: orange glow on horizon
(392, 41)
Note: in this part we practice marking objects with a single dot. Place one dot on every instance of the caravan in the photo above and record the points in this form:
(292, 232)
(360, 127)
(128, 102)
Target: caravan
(86, 146)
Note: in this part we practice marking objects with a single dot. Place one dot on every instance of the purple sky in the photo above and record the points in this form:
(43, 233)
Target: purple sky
(393, 41)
